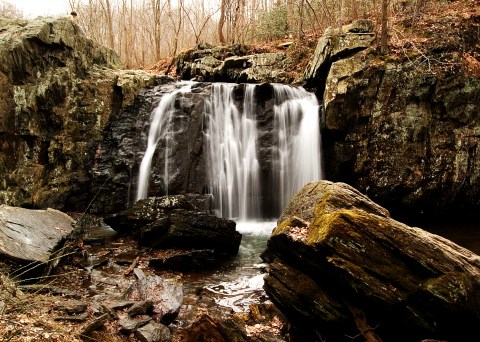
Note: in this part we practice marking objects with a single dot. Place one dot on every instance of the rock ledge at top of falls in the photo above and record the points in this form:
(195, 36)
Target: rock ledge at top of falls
(340, 266)
(235, 63)
(33, 236)
(59, 93)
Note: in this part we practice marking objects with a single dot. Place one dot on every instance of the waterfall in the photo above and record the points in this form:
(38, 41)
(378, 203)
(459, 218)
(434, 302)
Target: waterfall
(236, 132)
(160, 120)
(298, 150)
(232, 161)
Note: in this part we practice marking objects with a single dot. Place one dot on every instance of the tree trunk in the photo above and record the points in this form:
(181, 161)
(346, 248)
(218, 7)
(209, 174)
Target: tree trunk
(221, 22)
(300, 20)
(384, 38)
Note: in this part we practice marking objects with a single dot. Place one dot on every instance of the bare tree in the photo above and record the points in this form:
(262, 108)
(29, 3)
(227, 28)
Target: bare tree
(9, 10)
(221, 21)
(384, 37)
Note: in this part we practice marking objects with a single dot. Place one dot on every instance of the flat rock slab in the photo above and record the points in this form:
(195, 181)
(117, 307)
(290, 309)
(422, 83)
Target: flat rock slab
(32, 235)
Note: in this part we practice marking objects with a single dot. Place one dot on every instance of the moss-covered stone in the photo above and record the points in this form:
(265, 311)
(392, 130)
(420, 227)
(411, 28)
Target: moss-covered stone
(355, 258)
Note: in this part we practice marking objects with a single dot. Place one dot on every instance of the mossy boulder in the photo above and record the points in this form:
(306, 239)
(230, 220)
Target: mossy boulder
(339, 262)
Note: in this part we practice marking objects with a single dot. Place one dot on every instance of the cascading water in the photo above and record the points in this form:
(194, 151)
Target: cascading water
(233, 163)
(297, 126)
(232, 153)
(161, 118)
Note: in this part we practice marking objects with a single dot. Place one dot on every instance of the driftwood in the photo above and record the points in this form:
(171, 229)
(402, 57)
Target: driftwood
(401, 283)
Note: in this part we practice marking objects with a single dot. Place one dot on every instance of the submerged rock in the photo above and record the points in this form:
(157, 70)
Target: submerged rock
(353, 269)
(34, 236)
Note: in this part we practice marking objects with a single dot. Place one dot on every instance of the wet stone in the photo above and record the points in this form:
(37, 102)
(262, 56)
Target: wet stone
(186, 260)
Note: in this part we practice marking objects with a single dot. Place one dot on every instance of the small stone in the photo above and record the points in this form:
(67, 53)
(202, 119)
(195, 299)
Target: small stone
(140, 308)
(129, 325)
(118, 304)
(73, 318)
(71, 307)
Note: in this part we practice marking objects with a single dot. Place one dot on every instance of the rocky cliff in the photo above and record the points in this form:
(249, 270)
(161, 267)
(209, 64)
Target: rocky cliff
(403, 127)
(59, 93)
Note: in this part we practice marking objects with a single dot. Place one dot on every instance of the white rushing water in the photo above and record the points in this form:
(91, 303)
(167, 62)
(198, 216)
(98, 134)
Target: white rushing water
(297, 125)
(233, 163)
(160, 120)
(232, 160)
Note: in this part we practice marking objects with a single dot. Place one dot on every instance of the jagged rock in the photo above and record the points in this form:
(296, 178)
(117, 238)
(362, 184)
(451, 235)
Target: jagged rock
(153, 332)
(234, 63)
(34, 236)
(165, 294)
(185, 260)
(128, 325)
(95, 324)
(262, 322)
(355, 267)
(404, 131)
(118, 304)
(207, 328)
(140, 308)
(73, 318)
(335, 45)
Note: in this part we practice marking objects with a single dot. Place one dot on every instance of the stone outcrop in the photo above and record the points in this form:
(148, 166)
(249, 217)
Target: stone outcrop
(341, 266)
(174, 222)
(237, 63)
(59, 91)
(335, 45)
(402, 128)
(34, 237)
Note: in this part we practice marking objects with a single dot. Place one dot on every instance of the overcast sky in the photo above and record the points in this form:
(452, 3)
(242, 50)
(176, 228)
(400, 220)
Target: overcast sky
(35, 8)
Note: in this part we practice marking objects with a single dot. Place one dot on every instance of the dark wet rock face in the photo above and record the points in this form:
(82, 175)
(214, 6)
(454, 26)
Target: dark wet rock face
(404, 133)
(340, 263)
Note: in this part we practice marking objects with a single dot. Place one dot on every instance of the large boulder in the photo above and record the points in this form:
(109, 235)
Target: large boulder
(33, 237)
(340, 266)
(59, 92)
(174, 222)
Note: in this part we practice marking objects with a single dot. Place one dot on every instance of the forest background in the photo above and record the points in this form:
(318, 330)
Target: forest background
(145, 32)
